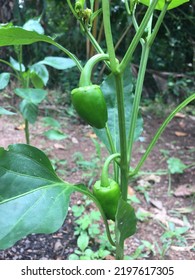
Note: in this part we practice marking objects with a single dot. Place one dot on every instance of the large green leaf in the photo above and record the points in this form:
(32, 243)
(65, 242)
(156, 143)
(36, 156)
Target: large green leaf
(173, 3)
(125, 222)
(4, 80)
(109, 89)
(33, 199)
(18, 36)
(31, 98)
(60, 63)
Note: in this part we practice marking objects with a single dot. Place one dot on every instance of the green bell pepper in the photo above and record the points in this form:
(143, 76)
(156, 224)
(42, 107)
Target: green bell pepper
(90, 105)
(88, 99)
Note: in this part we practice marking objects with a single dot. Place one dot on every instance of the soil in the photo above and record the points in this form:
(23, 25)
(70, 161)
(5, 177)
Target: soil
(162, 199)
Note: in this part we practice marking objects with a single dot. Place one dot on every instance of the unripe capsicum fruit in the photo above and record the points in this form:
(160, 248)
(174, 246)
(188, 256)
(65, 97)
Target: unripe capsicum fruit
(108, 197)
(88, 99)
(90, 105)
(107, 191)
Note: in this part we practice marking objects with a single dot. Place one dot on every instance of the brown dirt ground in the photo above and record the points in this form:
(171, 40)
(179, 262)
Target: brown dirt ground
(166, 201)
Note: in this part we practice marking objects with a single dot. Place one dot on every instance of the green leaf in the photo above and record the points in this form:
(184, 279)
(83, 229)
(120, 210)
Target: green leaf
(83, 241)
(5, 112)
(95, 14)
(39, 72)
(19, 36)
(77, 210)
(73, 257)
(33, 199)
(125, 221)
(49, 121)
(36, 80)
(54, 134)
(16, 65)
(109, 90)
(6, 25)
(32, 95)
(33, 25)
(175, 165)
(29, 111)
(59, 63)
(173, 3)
(4, 80)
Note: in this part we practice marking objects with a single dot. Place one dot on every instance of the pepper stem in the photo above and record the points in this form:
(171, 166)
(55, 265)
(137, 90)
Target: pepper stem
(85, 79)
(104, 176)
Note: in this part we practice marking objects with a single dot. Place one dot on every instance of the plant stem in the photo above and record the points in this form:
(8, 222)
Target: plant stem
(71, 8)
(158, 24)
(123, 151)
(88, 33)
(144, 58)
(95, 200)
(124, 63)
(113, 151)
(71, 55)
(104, 176)
(24, 85)
(108, 35)
(93, 40)
(122, 135)
(138, 92)
(85, 79)
(26, 129)
(160, 130)
(110, 140)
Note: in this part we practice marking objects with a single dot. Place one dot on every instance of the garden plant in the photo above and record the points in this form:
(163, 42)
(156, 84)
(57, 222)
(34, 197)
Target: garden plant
(33, 199)
(31, 80)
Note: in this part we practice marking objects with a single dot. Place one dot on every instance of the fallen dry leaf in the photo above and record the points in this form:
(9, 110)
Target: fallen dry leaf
(20, 127)
(165, 219)
(182, 124)
(74, 140)
(184, 190)
(58, 246)
(181, 249)
(180, 134)
(59, 146)
(110, 258)
(185, 210)
(180, 115)
(157, 203)
(131, 191)
(190, 236)
(192, 117)
(91, 135)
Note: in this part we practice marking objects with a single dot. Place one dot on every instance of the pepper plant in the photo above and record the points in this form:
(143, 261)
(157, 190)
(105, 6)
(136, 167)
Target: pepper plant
(33, 199)
(32, 79)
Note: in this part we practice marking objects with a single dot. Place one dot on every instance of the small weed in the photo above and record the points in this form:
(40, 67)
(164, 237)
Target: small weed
(143, 215)
(143, 251)
(89, 235)
(175, 165)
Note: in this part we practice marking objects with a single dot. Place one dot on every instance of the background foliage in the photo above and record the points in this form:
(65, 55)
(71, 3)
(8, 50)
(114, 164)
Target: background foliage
(170, 69)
